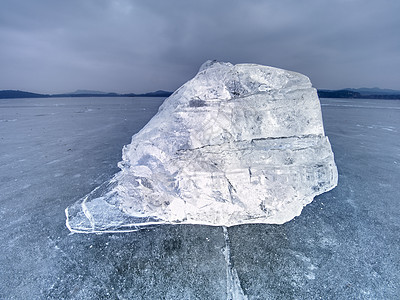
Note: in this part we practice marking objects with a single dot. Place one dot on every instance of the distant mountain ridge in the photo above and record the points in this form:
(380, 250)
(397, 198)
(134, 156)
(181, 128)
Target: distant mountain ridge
(13, 94)
(362, 93)
(87, 92)
(366, 93)
(375, 91)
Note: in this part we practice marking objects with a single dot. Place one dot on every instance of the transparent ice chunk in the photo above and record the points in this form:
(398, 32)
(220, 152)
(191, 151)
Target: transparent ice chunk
(236, 144)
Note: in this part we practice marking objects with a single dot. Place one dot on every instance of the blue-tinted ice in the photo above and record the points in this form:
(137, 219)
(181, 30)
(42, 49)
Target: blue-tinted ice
(344, 245)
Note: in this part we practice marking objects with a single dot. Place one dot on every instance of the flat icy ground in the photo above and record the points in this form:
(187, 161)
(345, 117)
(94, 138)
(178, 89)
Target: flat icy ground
(345, 245)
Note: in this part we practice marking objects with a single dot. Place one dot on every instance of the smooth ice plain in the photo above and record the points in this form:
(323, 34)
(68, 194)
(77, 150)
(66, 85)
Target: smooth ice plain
(344, 245)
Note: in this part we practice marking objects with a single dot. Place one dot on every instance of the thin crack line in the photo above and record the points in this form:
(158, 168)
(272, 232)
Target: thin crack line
(234, 290)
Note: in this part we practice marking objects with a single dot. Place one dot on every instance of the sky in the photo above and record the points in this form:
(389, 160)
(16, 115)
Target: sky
(56, 46)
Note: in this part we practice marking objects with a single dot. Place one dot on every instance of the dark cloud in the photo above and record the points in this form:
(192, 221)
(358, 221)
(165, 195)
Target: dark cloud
(123, 46)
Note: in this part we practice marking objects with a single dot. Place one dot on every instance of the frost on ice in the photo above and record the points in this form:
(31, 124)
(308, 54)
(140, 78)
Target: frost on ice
(236, 144)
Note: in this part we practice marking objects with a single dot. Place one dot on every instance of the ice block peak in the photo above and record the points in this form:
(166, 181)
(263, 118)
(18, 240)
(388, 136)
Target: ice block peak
(236, 144)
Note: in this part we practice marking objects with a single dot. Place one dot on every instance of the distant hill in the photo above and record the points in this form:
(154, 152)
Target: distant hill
(158, 93)
(375, 91)
(81, 92)
(366, 93)
(362, 93)
(85, 94)
(12, 94)
(338, 94)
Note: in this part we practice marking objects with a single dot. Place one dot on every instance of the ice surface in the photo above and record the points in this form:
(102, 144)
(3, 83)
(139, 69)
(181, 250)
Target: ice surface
(344, 245)
(236, 144)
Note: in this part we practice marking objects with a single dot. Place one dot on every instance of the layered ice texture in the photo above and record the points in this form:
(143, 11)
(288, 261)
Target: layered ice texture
(236, 144)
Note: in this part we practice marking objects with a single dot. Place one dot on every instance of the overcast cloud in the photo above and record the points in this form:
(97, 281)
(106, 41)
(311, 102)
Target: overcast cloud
(138, 46)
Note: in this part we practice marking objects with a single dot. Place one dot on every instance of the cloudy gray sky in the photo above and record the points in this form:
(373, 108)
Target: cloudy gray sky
(55, 46)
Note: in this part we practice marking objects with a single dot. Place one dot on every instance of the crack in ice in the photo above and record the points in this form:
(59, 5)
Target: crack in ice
(234, 290)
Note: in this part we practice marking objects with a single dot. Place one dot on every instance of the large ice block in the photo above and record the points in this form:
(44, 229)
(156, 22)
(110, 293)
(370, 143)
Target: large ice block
(236, 144)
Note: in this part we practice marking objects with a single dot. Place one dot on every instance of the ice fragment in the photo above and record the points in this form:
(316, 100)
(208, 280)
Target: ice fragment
(236, 144)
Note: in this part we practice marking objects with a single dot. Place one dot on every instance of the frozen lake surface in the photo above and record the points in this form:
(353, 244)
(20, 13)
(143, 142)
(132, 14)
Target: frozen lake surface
(344, 245)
